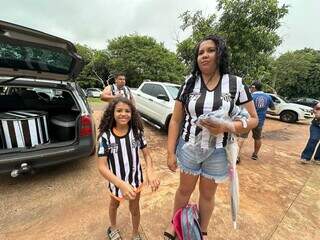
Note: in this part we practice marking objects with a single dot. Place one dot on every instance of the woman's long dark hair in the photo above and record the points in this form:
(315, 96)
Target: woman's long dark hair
(107, 121)
(223, 62)
(222, 51)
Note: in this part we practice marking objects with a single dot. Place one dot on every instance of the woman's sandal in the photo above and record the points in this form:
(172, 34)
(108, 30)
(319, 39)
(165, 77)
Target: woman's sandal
(138, 237)
(168, 236)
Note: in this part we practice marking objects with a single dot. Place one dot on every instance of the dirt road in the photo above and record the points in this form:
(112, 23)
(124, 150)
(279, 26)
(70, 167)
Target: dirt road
(69, 201)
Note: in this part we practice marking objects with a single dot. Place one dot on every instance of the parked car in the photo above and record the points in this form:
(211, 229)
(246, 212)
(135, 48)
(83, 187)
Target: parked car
(93, 92)
(155, 101)
(289, 112)
(44, 116)
(310, 102)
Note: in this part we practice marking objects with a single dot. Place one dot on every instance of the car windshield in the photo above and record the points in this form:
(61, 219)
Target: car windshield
(283, 99)
(274, 98)
(173, 90)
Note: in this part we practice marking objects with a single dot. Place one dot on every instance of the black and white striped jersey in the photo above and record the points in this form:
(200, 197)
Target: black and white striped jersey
(198, 100)
(124, 91)
(23, 129)
(122, 157)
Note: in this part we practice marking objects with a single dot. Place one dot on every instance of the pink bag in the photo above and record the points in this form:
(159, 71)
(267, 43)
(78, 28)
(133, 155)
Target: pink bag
(176, 221)
(186, 223)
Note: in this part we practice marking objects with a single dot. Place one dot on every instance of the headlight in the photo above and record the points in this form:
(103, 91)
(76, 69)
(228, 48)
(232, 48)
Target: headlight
(304, 110)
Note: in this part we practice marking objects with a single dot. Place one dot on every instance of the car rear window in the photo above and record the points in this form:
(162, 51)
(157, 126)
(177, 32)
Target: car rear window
(28, 57)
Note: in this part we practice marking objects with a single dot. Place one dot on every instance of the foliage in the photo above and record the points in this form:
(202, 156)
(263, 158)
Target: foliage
(249, 28)
(141, 58)
(95, 66)
(297, 74)
(201, 27)
(100, 65)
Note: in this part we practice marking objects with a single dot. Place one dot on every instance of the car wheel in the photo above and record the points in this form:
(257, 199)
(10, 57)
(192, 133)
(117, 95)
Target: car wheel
(289, 116)
(166, 127)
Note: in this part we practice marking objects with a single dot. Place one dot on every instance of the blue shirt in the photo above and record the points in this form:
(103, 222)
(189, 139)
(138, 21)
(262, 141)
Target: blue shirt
(262, 102)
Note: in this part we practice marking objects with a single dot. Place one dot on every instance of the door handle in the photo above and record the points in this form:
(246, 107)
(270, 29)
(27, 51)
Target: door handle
(150, 99)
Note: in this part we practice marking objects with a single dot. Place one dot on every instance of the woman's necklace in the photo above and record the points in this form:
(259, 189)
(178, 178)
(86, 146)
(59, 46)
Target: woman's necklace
(212, 81)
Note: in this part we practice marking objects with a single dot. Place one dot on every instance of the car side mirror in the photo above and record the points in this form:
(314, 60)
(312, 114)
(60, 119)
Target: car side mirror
(163, 97)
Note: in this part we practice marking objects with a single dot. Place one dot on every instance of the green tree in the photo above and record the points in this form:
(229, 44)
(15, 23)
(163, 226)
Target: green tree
(100, 65)
(249, 28)
(141, 57)
(297, 74)
(200, 27)
(95, 66)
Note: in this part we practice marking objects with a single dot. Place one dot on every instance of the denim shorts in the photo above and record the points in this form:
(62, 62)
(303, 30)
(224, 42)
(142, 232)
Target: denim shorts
(212, 164)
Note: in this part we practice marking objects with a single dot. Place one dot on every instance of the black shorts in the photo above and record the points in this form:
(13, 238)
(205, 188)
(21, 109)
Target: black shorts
(256, 133)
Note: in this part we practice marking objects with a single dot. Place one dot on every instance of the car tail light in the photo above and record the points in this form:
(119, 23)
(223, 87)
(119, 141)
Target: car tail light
(86, 126)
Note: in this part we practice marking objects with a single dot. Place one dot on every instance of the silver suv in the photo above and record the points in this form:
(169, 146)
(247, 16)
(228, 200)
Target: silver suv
(38, 129)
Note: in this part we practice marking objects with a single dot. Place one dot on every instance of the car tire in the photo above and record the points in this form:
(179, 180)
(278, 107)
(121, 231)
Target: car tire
(289, 116)
(166, 127)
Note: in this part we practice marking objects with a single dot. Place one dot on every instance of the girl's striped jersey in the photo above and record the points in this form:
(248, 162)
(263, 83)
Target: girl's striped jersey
(124, 91)
(198, 100)
(122, 157)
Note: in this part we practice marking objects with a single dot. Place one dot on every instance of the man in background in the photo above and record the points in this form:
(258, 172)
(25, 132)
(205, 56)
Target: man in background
(262, 102)
(118, 89)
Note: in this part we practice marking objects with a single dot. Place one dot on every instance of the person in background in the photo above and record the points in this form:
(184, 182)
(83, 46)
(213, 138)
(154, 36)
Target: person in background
(207, 89)
(314, 139)
(262, 102)
(118, 89)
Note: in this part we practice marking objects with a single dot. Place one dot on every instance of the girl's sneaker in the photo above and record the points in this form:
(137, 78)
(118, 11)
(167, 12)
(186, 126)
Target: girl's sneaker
(113, 234)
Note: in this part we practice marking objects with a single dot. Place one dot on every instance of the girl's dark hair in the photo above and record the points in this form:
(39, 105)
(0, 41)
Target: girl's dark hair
(223, 62)
(107, 121)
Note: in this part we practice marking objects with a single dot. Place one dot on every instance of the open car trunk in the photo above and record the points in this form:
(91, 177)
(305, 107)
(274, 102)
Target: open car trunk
(34, 118)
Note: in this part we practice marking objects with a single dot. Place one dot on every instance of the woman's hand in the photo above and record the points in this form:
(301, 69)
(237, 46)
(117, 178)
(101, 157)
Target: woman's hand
(127, 190)
(172, 162)
(152, 180)
(218, 126)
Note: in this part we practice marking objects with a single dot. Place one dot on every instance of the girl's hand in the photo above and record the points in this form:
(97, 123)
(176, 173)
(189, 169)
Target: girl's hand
(152, 180)
(217, 127)
(172, 162)
(127, 190)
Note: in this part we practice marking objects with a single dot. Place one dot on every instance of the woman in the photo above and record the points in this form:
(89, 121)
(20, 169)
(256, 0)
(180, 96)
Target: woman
(209, 88)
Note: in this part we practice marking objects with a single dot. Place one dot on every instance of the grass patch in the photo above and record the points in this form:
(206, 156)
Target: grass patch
(92, 100)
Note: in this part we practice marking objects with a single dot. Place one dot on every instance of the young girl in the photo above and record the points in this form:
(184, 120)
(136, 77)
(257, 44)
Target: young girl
(120, 137)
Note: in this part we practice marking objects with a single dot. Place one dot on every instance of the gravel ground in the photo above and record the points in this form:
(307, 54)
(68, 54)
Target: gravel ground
(70, 202)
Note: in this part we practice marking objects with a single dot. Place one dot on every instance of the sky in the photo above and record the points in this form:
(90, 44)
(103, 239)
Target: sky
(94, 22)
